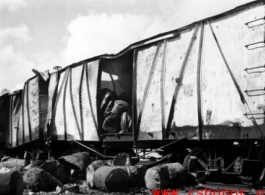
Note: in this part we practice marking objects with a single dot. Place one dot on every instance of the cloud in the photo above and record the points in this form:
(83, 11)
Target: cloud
(12, 5)
(98, 34)
(110, 32)
(20, 32)
(16, 65)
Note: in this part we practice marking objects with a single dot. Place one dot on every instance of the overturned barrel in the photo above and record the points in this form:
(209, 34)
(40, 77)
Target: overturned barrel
(90, 171)
(164, 176)
(111, 179)
(11, 182)
(37, 179)
(78, 161)
(54, 168)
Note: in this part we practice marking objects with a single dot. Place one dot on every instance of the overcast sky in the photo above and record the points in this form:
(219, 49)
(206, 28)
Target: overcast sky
(44, 33)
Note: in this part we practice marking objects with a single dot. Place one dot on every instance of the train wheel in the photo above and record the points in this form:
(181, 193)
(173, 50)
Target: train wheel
(194, 167)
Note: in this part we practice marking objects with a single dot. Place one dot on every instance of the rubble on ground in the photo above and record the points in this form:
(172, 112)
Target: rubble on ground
(80, 174)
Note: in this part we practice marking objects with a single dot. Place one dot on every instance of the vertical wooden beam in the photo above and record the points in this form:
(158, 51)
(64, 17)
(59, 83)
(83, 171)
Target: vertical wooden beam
(64, 109)
(200, 121)
(135, 130)
(27, 99)
(162, 88)
(80, 101)
(23, 117)
(11, 120)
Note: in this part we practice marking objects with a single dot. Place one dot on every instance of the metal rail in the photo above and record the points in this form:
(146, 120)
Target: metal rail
(93, 150)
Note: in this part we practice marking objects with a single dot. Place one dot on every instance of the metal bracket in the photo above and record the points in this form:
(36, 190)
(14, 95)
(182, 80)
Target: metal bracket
(255, 45)
(252, 115)
(257, 67)
(254, 90)
(248, 24)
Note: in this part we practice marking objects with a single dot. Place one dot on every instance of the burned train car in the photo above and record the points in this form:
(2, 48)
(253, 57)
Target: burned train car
(202, 84)
(23, 114)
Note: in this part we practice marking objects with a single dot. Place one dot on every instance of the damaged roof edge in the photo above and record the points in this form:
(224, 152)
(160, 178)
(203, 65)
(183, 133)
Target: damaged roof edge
(173, 33)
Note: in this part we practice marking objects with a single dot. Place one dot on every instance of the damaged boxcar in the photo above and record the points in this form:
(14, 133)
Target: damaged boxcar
(202, 84)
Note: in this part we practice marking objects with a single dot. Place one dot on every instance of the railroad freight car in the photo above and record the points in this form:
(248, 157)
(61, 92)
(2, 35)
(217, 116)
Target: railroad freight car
(23, 114)
(202, 84)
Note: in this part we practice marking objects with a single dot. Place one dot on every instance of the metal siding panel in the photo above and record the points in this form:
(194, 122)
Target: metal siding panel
(76, 79)
(25, 115)
(16, 109)
(71, 127)
(221, 104)
(57, 130)
(72, 108)
(180, 120)
(34, 109)
(151, 120)
(223, 110)
(20, 131)
(144, 61)
(88, 104)
(173, 62)
(51, 93)
(186, 108)
(89, 101)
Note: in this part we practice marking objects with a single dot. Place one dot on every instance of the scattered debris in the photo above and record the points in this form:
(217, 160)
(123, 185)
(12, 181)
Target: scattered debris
(11, 182)
(78, 161)
(37, 179)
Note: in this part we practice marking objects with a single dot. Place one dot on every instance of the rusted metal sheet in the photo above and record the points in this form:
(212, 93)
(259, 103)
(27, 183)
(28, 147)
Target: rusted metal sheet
(75, 111)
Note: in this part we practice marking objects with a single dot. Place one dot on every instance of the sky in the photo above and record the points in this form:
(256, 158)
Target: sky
(46, 33)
